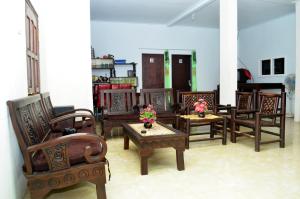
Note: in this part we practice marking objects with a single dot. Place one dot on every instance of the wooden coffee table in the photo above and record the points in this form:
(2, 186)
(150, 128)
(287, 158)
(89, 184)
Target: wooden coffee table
(159, 136)
(185, 122)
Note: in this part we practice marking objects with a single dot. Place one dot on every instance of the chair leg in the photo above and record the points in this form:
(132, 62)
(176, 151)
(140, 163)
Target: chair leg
(282, 133)
(38, 194)
(100, 187)
(257, 134)
(233, 134)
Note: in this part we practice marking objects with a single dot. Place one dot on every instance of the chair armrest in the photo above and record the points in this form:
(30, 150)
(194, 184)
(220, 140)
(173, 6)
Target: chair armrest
(74, 111)
(65, 140)
(72, 116)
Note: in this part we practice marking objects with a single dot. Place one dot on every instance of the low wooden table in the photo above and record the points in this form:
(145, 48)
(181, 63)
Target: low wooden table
(159, 136)
(185, 122)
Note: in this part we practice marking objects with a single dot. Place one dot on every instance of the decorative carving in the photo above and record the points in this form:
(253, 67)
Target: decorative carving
(57, 157)
(69, 178)
(190, 99)
(41, 117)
(97, 171)
(37, 184)
(27, 122)
(83, 174)
(49, 107)
(118, 102)
(244, 102)
(53, 182)
(158, 101)
(268, 105)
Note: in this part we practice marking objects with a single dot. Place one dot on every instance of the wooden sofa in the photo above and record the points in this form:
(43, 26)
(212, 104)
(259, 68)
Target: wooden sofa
(51, 160)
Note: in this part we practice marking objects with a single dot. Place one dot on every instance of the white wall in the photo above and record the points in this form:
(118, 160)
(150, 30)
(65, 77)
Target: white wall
(129, 41)
(297, 94)
(272, 39)
(13, 84)
(65, 55)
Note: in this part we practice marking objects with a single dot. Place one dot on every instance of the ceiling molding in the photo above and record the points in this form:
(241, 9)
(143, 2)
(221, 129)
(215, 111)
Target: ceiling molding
(201, 4)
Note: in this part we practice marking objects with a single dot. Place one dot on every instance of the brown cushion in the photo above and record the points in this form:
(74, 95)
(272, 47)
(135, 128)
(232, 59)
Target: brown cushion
(76, 154)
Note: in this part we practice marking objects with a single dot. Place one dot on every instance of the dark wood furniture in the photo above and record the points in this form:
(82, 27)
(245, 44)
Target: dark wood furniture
(256, 87)
(118, 106)
(271, 109)
(244, 105)
(164, 136)
(162, 101)
(187, 99)
(53, 161)
(85, 124)
(184, 124)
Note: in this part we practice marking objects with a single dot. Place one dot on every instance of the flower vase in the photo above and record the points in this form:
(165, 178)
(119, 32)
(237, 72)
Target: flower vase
(147, 125)
(201, 114)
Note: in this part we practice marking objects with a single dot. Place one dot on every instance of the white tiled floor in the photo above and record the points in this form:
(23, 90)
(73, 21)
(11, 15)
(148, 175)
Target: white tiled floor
(211, 171)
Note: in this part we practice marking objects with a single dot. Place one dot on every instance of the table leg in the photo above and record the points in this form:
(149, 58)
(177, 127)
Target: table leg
(180, 159)
(224, 131)
(187, 131)
(145, 153)
(126, 142)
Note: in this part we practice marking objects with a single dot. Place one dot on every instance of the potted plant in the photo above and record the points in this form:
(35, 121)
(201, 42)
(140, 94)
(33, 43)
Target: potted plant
(200, 107)
(148, 116)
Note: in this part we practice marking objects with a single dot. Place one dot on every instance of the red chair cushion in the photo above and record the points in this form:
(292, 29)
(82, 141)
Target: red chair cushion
(115, 86)
(125, 86)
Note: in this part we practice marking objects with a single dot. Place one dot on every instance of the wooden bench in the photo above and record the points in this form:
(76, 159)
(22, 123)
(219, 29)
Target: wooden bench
(51, 160)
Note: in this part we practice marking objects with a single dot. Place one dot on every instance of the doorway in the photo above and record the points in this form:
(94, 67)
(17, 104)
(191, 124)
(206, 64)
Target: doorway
(181, 73)
(153, 70)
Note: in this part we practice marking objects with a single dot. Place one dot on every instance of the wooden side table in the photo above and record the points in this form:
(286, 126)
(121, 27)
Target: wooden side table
(184, 123)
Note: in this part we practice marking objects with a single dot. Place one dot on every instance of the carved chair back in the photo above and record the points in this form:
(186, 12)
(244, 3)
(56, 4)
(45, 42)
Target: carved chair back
(161, 99)
(245, 100)
(48, 105)
(188, 99)
(271, 103)
(118, 101)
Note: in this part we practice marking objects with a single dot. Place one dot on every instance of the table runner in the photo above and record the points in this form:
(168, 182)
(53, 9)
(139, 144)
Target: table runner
(196, 117)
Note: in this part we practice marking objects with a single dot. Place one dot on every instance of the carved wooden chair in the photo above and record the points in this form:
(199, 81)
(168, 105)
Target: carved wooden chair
(245, 102)
(163, 103)
(86, 122)
(187, 100)
(118, 106)
(53, 161)
(271, 113)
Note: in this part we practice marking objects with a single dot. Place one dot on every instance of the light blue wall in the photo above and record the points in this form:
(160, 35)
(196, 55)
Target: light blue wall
(129, 40)
(272, 39)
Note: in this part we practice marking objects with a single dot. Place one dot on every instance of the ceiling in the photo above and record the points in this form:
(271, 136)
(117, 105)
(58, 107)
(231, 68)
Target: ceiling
(187, 12)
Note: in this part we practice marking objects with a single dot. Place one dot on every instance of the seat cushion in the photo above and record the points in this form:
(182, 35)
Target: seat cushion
(76, 154)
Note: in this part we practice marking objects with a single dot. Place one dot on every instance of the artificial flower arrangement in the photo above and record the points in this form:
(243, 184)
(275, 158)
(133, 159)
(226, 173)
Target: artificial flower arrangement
(200, 107)
(148, 116)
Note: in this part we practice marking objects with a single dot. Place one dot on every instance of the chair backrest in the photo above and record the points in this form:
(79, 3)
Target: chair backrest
(272, 103)
(118, 101)
(245, 100)
(161, 99)
(188, 99)
(48, 105)
(29, 120)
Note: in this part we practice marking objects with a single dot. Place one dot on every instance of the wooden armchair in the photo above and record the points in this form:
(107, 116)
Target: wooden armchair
(53, 161)
(85, 124)
(245, 102)
(187, 101)
(118, 106)
(271, 108)
(163, 103)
